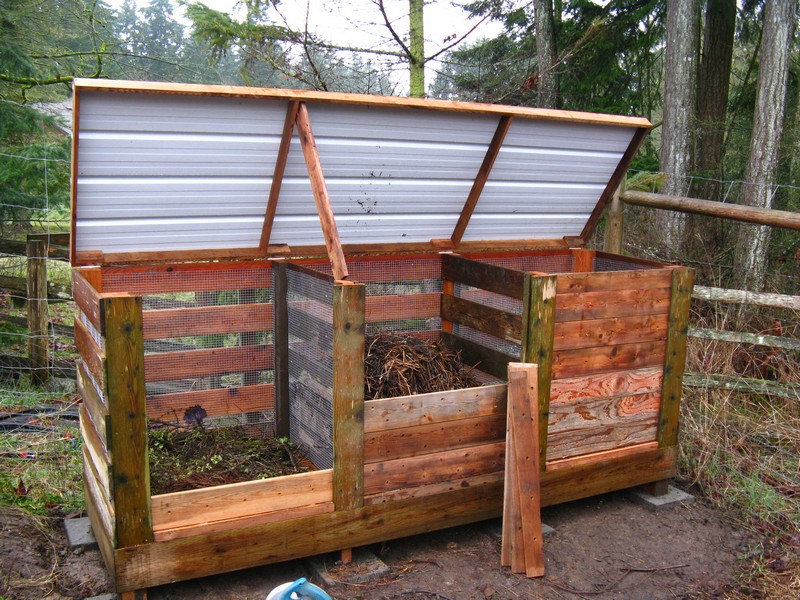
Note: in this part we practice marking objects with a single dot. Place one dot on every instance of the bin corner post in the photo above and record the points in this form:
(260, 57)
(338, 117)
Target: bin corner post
(538, 331)
(37, 311)
(281, 342)
(128, 418)
(348, 394)
(675, 356)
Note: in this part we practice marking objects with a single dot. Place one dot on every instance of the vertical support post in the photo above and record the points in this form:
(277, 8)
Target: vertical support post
(37, 311)
(280, 340)
(128, 418)
(349, 300)
(613, 237)
(584, 260)
(675, 356)
(538, 331)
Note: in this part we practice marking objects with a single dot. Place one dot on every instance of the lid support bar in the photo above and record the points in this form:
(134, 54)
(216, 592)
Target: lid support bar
(481, 178)
(331, 234)
(277, 175)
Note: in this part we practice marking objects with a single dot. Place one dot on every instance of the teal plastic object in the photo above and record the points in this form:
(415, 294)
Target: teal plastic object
(301, 589)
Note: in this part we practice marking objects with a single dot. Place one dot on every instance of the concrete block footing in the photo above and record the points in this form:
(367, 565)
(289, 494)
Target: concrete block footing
(674, 497)
(364, 567)
(79, 533)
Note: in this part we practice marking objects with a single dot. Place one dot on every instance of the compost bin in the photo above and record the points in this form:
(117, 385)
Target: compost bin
(234, 247)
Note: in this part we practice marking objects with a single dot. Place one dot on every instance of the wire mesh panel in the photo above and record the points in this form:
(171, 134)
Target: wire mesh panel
(606, 263)
(545, 263)
(208, 341)
(310, 326)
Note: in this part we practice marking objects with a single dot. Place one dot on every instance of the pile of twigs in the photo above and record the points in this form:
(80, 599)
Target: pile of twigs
(405, 365)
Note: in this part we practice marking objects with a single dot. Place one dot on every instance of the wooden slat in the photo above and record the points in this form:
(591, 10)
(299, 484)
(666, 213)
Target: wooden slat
(95, 257)
(202, 277)
(182, 322)
(626, 433)
(675, 356)
(484, 276)
(609, 332)
(93, 402)
(483, 318)
(433, 489)
(433, 468)
(250, 498)
(616, 383)
(277, 175)
(607, 281)
(438, 407)
(396, 308)
(96, 452)
(87, 298)
(539, 306)
(584, 260)
(320, 190)
(480, 179)
(348, 395)
(473, 354)
(97, 517)
(633, 260)
(281, 347)
(93, 356)
(128, 419)
(606, 305)
(433, 437)
(589, 361)
(216, 402)
(211, 361)
(105, 511)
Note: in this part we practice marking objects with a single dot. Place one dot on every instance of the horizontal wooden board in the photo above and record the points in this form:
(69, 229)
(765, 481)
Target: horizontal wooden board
(201, 277)
(397, 308)
(499, 280)
(202, 363)
(605, 305)
(94, 487)
(607, 281)
(616, 383)
(483, 318)
(216, 402)
(438, 407)
(433, 437)
(432, 489)
(99, 518)
(450, 465)
(632, 260)
(182, 322)
(96, 453)
(195, 507)
(91, 354)
(589, 361)
(87, 298)
(473, 354)
(609, 332)
(95, 404)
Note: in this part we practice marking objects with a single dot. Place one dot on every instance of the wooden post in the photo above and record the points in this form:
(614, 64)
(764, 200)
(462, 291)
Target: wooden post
(37, 312)
(280, 340)
(538, 330)
(128, 419)
(613, 237)
(675, 358)
(349, 300)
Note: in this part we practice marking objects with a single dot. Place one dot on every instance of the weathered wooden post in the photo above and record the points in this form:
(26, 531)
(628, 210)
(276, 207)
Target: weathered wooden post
(37, 312)
(613, 237)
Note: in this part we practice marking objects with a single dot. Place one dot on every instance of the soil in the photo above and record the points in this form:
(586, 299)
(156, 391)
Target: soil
(605, 547)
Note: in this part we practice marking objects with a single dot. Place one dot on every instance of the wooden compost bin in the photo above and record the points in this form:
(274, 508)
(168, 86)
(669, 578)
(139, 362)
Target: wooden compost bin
(215, 265)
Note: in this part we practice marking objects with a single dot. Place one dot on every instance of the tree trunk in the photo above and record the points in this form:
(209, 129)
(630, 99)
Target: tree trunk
(676, 130)
(546, 53)
(416, 62)
(750, 261)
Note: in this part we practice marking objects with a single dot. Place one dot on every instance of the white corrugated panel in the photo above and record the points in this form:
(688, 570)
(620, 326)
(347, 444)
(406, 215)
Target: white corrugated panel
(171, 172)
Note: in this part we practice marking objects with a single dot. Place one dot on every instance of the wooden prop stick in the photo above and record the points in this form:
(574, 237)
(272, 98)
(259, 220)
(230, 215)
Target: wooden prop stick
(480, 179)
(331, 234)
(277, 175)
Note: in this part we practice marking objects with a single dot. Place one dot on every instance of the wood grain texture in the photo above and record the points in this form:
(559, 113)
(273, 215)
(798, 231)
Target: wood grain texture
(216, 402)
(96, 453)
(87, 298)
(205, 320)
(483, 318)
(433, 489)
(321, 197)
(612, 304)
(433, 437)
(94, 510)
(604, 385)
(480, 179)
(492, 278)
(614, 331)
(348, 394)
(277, 175)
(584, 260)
(128, 418)
(444, 466)
(475, 355)
(675, 356)
(37, 313)
(607, 281)
(93, 357)
(398, 308)
(211, 361)
(93, 402)
(236, 500)
(434, 408)
(589, 361)
(192, 277)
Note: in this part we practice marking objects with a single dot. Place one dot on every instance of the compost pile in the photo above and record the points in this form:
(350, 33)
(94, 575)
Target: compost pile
(187, 458)
(398, 365)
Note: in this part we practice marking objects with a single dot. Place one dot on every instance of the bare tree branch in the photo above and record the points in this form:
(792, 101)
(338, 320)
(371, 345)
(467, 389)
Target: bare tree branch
(388, 24)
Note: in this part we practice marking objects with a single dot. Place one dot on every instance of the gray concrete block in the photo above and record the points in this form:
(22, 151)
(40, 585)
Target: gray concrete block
(494, 528)
(674, 497)
(79, 533)
(104, 597)
(364, 567)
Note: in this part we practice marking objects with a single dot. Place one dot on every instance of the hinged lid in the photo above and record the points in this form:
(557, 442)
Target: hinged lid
(176, 171)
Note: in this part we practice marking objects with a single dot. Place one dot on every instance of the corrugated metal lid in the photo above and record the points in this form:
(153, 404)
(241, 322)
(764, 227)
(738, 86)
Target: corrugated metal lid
(166, 171)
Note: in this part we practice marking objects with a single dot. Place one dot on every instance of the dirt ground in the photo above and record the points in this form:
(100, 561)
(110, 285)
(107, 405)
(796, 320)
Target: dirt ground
(604, 547)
